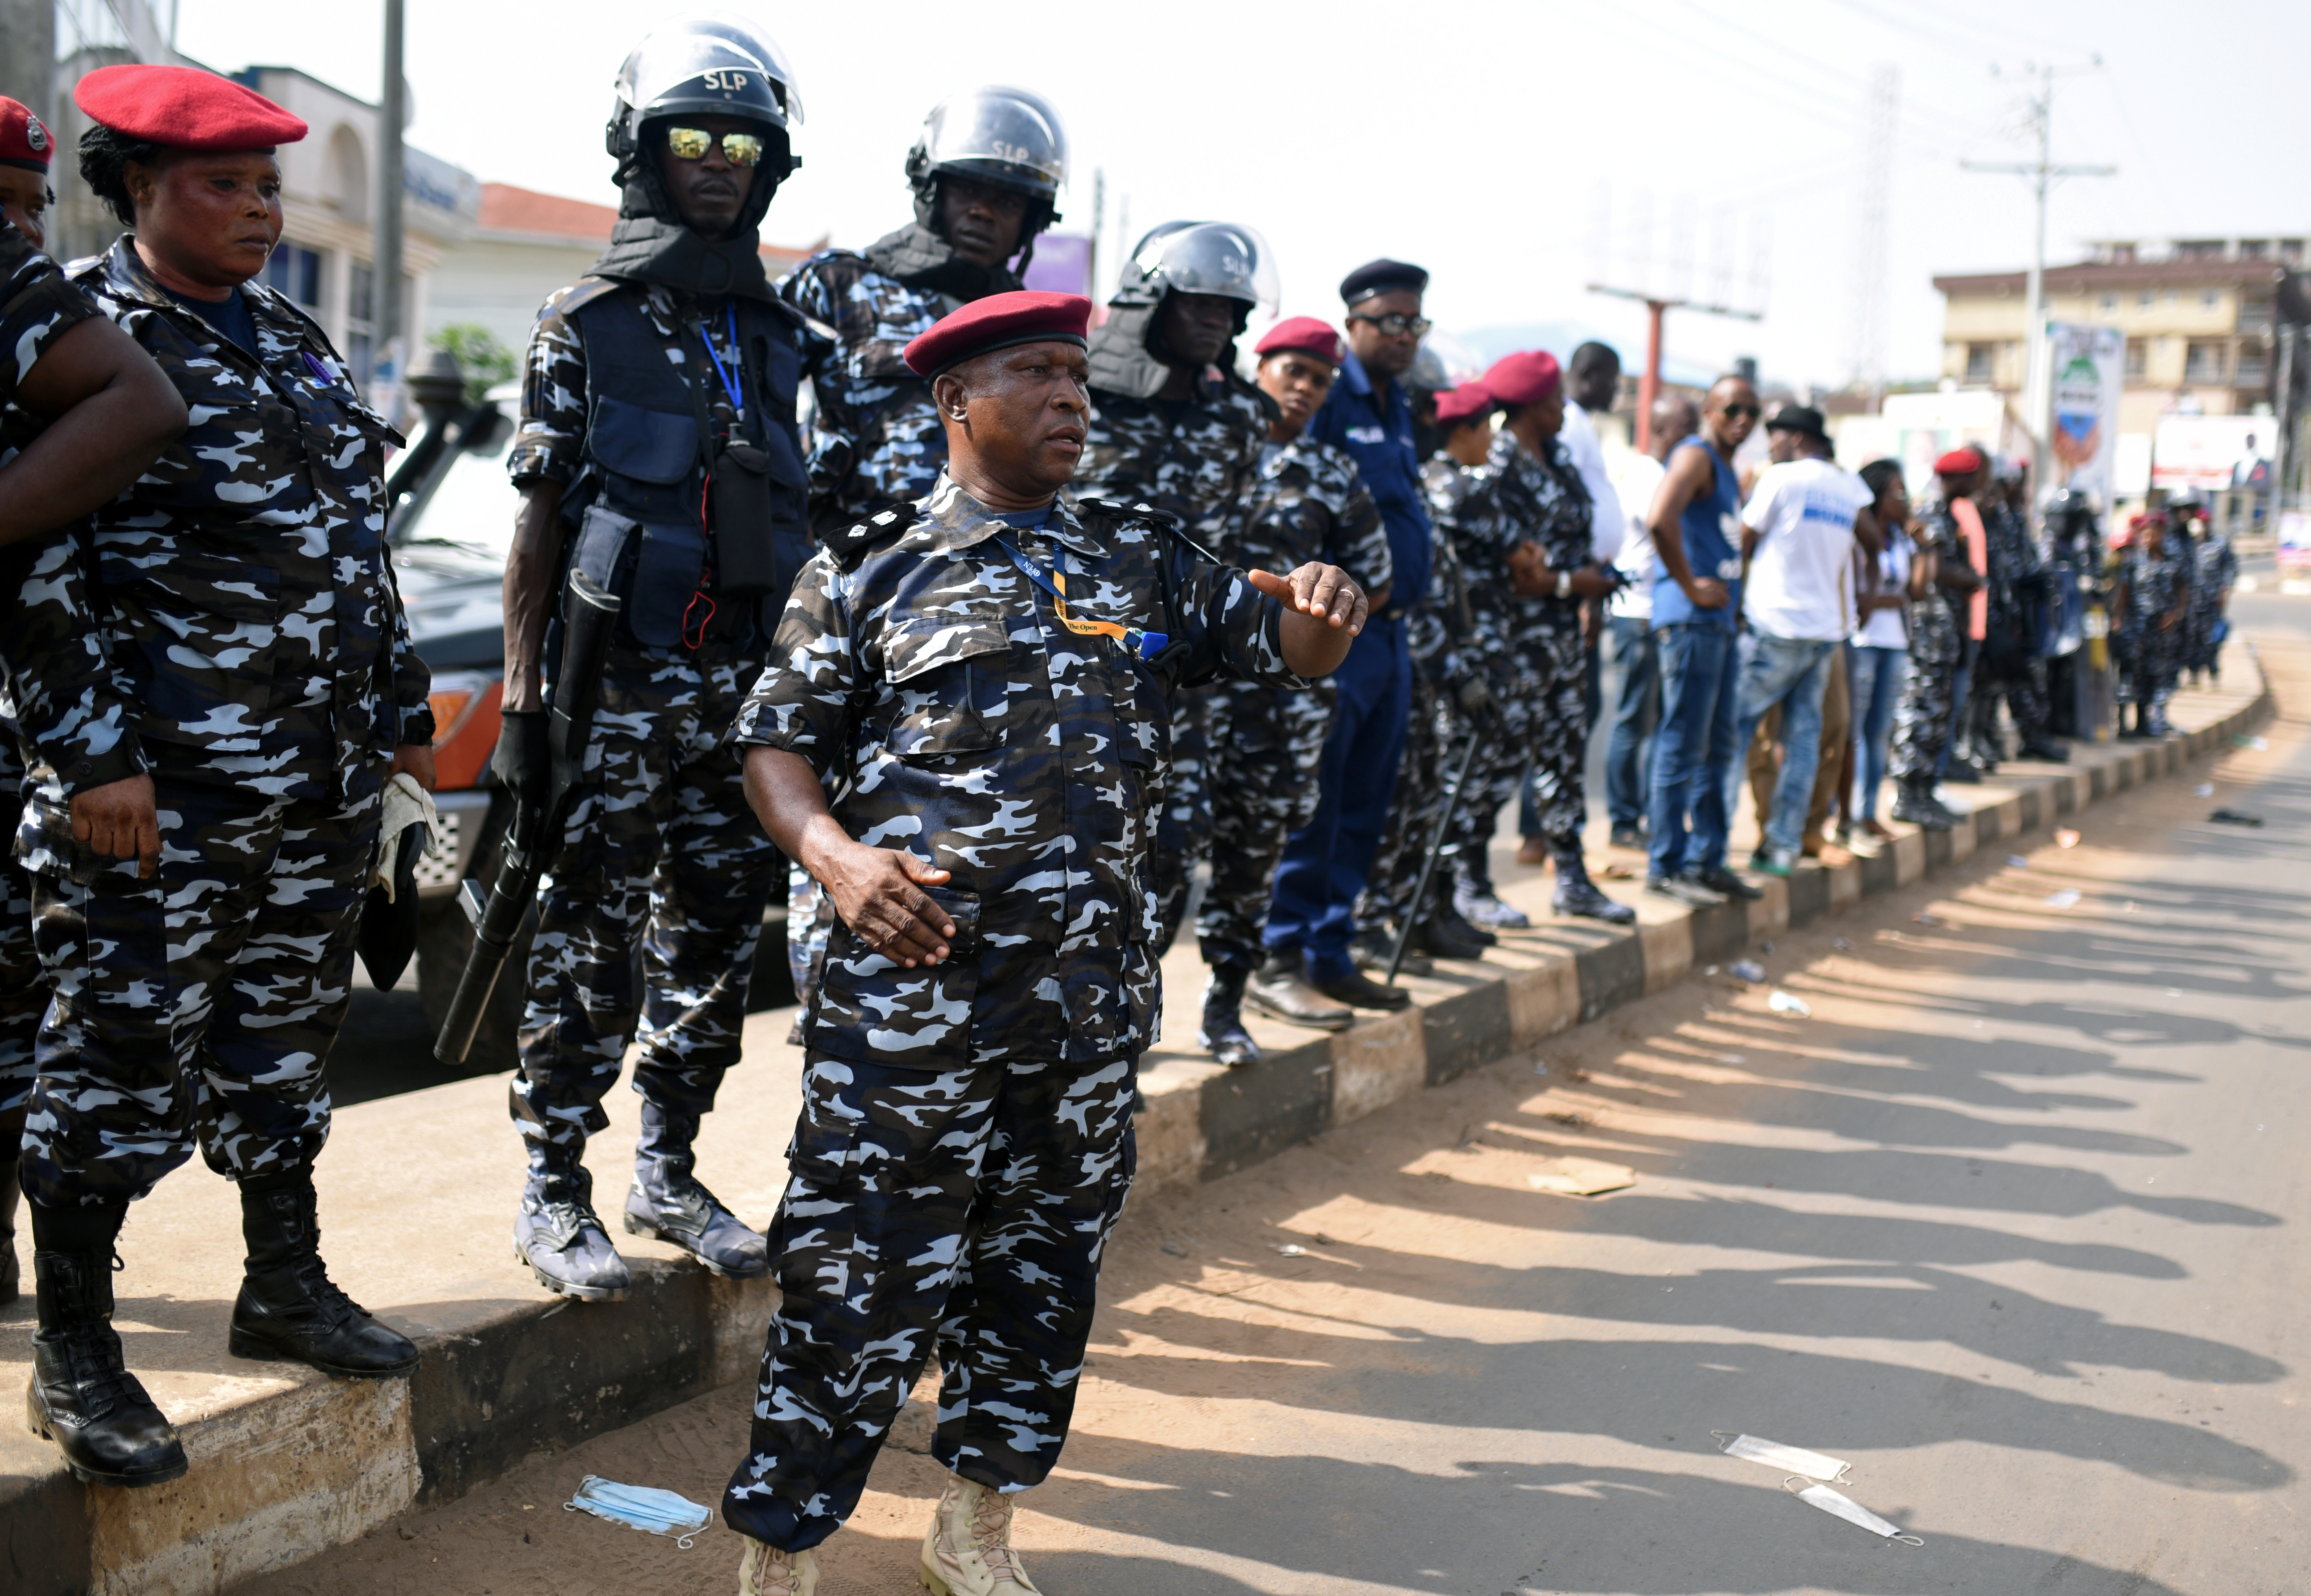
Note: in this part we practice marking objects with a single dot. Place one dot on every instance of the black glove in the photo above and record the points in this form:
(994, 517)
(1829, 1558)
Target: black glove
(521, 764)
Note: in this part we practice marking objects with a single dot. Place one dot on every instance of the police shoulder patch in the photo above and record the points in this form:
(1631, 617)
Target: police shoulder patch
(849, 548)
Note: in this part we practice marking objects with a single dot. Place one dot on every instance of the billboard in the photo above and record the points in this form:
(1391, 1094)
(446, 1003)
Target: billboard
(2205, 451)
(2088, 364)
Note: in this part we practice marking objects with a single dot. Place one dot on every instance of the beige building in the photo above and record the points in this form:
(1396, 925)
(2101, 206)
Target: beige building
(2198, 314)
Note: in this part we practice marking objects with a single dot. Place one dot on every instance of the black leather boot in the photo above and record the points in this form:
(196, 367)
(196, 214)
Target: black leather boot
(1222, 1034)
(1577, 895)
(288, 1307)
(12, 1277)
(82, 1395)
(668, 1203)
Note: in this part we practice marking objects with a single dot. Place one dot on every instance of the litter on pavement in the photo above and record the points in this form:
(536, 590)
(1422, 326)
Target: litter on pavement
(1783, 1002)
(1845, 1507)
(2234, 817)
(641, 1507)
(2066, 838)
(2257, 743)
(1923, 919)
(2016, 861)
(1789, 1459)
(2068, 898)
(1582, 1177)
(1749, 969)
(1293, 1250)
(2203, 790)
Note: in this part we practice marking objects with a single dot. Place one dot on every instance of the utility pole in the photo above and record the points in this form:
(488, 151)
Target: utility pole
(391, 184)
(2042, 173)
(1870, 250)
(1649, 384)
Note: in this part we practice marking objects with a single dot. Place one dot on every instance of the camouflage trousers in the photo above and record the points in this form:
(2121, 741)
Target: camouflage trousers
(1262, 749)
(24, 991)
(1544, 727)
(2149, 668)
(1921, 719)
(662, 849)
(201, 1002)
(2022, 690)
(1434, 736)
(964, 1210)
(1183, 813)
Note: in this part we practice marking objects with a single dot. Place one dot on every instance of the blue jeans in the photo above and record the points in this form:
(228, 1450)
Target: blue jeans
(1629, 747)
(1325, 862)
(1694, 748)
(1875, 677)
(1793, 673)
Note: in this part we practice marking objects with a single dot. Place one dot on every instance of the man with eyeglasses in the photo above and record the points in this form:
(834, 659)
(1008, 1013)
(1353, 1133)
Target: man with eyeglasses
(658, 455)
(1368, 416)
(1696, 522)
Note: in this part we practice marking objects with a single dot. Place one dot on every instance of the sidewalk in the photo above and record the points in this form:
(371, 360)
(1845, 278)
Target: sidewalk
(418, 1192)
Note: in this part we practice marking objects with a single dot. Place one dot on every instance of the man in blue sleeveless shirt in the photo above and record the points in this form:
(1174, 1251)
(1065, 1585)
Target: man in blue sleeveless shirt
(1696, 587)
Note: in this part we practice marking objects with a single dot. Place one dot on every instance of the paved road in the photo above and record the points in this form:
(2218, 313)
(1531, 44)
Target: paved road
(2014, 1222)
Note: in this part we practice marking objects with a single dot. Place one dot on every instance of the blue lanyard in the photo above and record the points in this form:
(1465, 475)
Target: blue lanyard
(736, 388)
(1147, 645)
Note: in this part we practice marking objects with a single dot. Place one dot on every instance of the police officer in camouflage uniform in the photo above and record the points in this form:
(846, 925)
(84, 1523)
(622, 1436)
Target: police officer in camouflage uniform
(981, 680)
(1447, 680)
(1523, 532)
(1922, 719)
(2014, 672)
(1174, 426)
(657, 453)
(986, 175)
(2215, 571)
(1305, 504)
(229, 686)
(82, 412)
(2151, 607)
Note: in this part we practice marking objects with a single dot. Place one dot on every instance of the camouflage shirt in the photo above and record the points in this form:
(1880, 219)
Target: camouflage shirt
(2014, 556)
(1195, 458)
(1515, 499)
(52, 708)
(941, 702)
(875, 439)
(241, 589)
(1305, 502)
(1438, 628)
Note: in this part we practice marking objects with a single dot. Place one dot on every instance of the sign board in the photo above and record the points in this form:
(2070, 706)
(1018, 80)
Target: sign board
(2294, 540)
(2087, 364)
(1918, 428)
(2204, 451)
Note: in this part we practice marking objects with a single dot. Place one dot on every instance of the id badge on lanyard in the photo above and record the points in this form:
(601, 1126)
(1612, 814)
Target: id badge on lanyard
(1145, 645)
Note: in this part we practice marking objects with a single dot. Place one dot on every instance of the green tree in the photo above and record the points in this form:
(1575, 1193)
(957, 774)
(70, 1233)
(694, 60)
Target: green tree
(486, 362)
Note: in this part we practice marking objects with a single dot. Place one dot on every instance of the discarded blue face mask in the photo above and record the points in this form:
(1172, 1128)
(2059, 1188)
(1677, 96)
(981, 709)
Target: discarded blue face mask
(641, 1507)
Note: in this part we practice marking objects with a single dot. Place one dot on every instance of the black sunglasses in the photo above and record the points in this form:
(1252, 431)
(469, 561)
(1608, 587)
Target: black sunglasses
(1738, 410)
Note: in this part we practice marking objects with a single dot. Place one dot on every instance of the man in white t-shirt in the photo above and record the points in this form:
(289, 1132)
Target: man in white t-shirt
(1798, 537)
(1629, 624)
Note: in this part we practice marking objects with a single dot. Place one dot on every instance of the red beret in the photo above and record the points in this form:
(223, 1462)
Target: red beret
(999, 321)
(1308, 334)
(1468, 402)
(1525, 378)
(184, 108)
(24, 140)
(1959, 461)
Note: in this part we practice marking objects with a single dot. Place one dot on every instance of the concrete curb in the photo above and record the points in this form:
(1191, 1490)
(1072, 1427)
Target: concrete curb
(290, 1464)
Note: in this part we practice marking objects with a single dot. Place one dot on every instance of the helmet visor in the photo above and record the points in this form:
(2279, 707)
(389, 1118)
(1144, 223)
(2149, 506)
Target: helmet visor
(1003, 136)
(1216, 257)
(711, 64)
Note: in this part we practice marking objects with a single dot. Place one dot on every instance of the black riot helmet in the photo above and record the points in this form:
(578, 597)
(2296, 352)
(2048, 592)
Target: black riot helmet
(1214, 257)
(1006, 138)
(712, 63)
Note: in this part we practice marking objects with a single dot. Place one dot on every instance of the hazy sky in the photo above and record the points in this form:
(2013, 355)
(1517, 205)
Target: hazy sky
(1518, 151)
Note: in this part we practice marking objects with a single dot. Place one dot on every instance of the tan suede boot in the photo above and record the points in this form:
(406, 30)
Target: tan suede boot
(967, 1551)
(766, 1571)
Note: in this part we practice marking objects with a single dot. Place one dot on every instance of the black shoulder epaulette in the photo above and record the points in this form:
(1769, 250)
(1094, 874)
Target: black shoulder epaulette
(584, 293)
(850, 547)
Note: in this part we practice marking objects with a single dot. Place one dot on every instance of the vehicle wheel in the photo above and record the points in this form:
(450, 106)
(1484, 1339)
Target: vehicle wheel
(445, 936)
